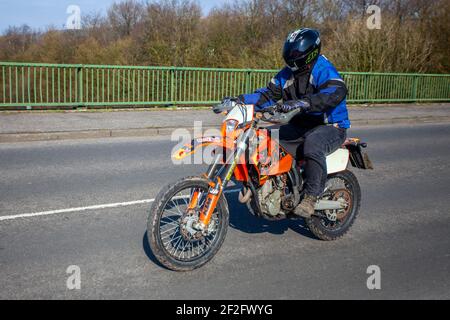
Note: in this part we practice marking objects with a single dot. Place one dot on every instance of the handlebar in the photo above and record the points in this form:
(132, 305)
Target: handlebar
(277, 117)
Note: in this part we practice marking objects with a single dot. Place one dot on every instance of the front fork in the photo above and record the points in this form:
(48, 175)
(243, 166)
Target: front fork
(217, 183)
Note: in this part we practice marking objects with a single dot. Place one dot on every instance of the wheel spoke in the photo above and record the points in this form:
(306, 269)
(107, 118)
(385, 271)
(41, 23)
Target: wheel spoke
(183, 250)
(176, 206)
(175, 247)
(173, 212)
(165, 244)
(169, 229)
(170, 219)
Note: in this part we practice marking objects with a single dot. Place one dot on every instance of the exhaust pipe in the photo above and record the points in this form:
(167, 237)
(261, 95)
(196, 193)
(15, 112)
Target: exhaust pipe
(329, 205)
(244, 195)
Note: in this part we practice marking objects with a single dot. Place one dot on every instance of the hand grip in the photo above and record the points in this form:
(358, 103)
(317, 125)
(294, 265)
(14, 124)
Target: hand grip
(281, 118)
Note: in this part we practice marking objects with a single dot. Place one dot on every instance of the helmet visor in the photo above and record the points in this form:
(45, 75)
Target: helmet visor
(296, 64)
(299, 61)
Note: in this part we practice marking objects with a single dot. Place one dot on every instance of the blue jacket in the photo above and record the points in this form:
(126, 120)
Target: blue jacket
(322, 88)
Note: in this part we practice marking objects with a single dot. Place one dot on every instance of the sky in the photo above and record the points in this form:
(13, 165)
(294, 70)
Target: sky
(44, 13)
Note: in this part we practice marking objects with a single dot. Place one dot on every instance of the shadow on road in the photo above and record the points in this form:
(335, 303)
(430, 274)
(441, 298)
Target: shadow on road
(148, 251)
(241, 219)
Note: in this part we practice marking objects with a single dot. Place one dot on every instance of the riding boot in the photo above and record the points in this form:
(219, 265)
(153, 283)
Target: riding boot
(306, 207)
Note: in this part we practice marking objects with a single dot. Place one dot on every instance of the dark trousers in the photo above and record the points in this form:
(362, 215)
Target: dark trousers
(312, 145)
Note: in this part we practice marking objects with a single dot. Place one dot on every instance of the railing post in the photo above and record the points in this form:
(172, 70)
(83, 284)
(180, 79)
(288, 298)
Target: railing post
(172, 85)
(247, 80)
(366, 85)
(79, 79)
(416, 83)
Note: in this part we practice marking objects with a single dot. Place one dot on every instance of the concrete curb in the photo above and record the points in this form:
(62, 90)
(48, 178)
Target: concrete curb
(167, 131)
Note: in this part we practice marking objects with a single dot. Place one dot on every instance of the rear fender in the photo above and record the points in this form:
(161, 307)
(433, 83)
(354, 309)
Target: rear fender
(337, 161)
(358, 158)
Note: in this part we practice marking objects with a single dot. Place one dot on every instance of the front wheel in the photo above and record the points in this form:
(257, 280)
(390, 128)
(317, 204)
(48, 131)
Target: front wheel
(172, 238)
(333, 224)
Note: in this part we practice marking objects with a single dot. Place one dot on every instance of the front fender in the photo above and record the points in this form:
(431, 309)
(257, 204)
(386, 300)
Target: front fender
(196, 144)
(241, 173)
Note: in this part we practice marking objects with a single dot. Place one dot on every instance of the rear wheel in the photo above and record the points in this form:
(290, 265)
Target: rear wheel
(333, 224)
(172, 238)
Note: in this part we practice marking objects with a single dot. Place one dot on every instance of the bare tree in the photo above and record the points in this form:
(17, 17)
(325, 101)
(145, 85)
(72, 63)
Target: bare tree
(16, 41)
(124, 16)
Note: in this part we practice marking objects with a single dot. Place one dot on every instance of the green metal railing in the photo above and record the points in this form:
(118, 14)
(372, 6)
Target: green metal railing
(64, 85)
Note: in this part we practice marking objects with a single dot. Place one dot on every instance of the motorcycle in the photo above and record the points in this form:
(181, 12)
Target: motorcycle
(188, 219)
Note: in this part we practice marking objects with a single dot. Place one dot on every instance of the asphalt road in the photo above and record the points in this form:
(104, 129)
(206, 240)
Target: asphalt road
(403, 227)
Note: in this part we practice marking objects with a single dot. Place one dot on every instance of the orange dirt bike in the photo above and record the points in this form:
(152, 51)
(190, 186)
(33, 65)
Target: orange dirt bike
(188, 220)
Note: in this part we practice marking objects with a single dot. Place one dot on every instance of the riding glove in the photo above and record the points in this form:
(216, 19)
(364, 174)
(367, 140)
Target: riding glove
(290, 105)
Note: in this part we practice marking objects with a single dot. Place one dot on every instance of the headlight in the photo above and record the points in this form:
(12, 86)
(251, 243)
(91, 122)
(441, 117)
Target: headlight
(230, 126)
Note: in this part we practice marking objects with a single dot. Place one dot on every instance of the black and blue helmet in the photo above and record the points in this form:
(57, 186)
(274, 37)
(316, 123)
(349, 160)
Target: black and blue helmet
(301, 49)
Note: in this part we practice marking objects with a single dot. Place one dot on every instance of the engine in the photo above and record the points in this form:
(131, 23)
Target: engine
(270, 196)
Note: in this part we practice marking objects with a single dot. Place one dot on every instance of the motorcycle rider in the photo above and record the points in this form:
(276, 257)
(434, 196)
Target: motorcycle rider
(309, 82)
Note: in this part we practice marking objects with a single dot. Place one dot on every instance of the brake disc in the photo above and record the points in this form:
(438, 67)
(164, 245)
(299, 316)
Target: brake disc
(344, 196)
(186, 228)
(188, 232)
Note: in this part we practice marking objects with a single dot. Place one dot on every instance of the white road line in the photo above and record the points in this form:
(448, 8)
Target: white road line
(78, 209)
(95, 207)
